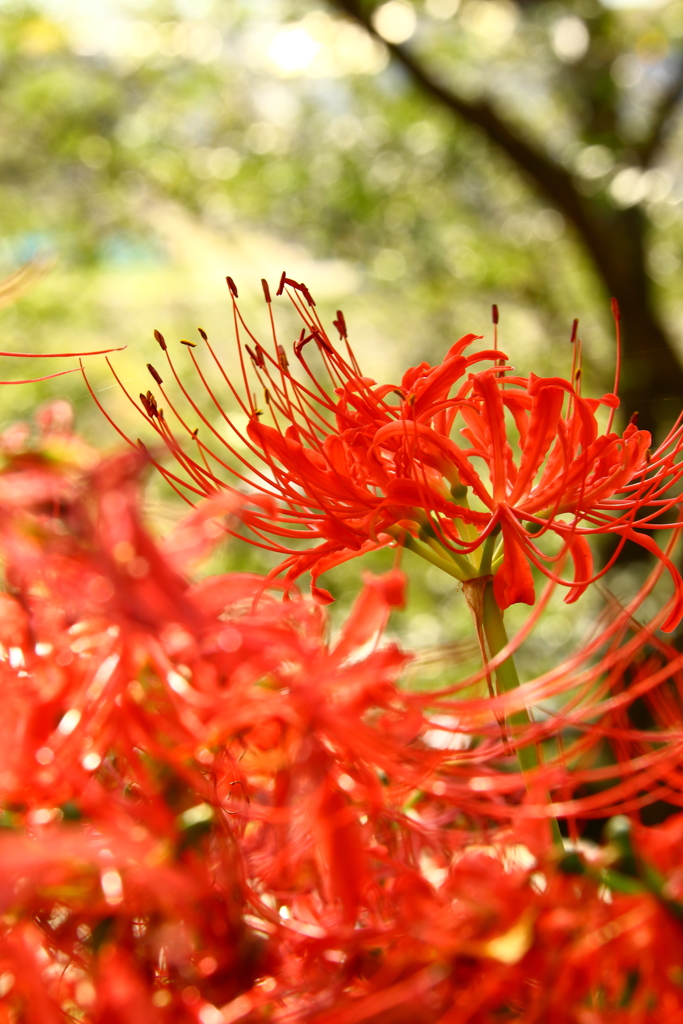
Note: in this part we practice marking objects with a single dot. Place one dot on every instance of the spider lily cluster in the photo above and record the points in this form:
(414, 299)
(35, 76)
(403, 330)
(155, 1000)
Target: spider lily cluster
(211, 811)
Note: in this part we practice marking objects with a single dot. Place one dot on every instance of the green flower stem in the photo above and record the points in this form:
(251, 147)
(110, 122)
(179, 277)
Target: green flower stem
(488, 617)
(506, 673)
(466, 530)
(508, 680)
(456, 566)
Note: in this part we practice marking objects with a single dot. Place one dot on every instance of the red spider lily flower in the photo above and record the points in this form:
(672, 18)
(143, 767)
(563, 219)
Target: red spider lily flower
(363, 465)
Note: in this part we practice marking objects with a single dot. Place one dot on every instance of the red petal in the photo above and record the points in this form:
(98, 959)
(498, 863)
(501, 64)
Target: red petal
(513, 583)
(340, 849)
(582, 557)
(414, 373)
(546, 410)
(487, 386)
(462, 343)
(438, 383)
(519, 404)
(371, 611)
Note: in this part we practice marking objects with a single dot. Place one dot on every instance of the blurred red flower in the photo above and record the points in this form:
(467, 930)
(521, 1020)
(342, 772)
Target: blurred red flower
(211, 812)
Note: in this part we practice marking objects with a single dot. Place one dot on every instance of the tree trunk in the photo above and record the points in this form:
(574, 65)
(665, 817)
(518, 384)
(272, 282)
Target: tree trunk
(651, 374)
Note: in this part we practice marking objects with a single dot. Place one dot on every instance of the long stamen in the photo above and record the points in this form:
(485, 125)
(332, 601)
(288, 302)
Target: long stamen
(237, 319)
(617, 367)
(36, 380)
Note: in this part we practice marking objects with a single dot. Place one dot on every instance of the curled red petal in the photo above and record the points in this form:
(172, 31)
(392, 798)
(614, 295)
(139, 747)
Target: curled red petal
(514, 582)
(436, 385)
(582, 556)
(486, 385)
(462, 343)
(648, 542)
(546, 410)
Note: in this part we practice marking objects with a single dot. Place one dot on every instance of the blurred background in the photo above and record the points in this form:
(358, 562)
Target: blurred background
(412, 162)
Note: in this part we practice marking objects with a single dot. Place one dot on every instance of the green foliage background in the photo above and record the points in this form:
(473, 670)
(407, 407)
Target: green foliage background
(151, 147)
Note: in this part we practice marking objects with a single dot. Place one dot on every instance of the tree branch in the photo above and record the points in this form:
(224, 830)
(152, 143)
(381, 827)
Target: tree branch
(649, 148)
(614, 238)
(550, 177)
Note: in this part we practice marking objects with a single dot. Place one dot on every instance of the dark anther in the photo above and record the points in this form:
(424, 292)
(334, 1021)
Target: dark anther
(203, 334)
(149, 404)
(575, 328)
(266, 395)
(300, 342)
(281, 286)
(232, 286)
(340, 324)
(266, 289)
(282, 357)
(299, 287)
(154, 373)
(494, 313)
(256, 356)
(160, 338)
